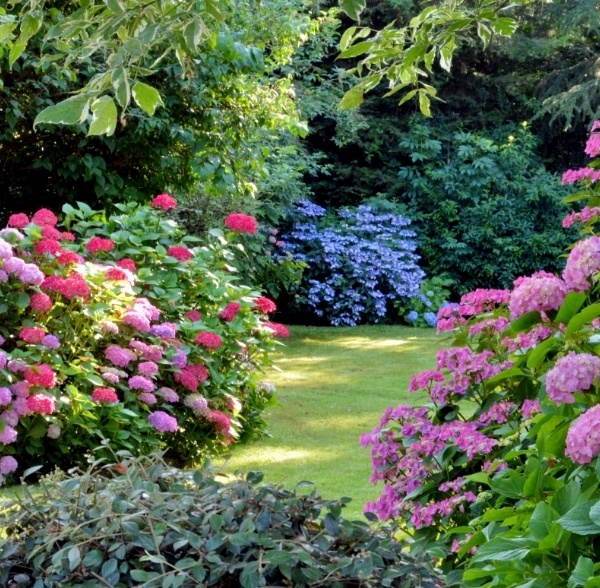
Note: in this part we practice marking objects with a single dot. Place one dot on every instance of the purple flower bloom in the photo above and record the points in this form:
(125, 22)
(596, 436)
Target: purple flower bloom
(8, 435)
(179, 360)
(5, 396)
(141, 383)
(542, 291)
(196, 402)
(164, 330)
(582, 264)
(583, 438)
(5, 250)
(119, 356)
(168, 394)
(163, 422)
(8, 464)
(31, 274)
(51, 341)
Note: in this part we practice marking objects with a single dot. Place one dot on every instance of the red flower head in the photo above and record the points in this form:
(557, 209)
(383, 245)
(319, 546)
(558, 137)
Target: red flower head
(96, 244)
(193, 315)
(41, 302)
(115, 274)
(179, 252)
(40, 375)
(127, 264)
(40, 404)
(18, 221)
(164, 201)
(265, 305)
(49, 232)
(105, 395)
(230, 311)
(199, 371)
(66, 236)
(47, 246)
(241, 223)
(32, 334)
(44, 217)
(68, 257)
(208, 340)
(278, 329)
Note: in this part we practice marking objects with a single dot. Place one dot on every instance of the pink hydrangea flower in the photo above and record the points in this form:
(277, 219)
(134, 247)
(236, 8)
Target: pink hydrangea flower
(164, 201)
(583, 438)
(163, 422)
(40, 375)
(530, 407)
(44, 217)
(47, 246)
(8, 465)
(53, 431)
(230, 311)
(542, 291)
(96, 244)
(572, 373)
(193, 315)
(6, 251)
(147, 368)
(265, 305)
(8, 435)
(168, 394)
(5, 396)
(141, 383)
(31, 274)
(41, 302)
(179, 252)
(19, 221)
(41, 404)
(147, 398)
(127, 264)
(208, 340)
(592, 147)
(105, 395)
(196, 402)
(241, 223)
(32, 334)
(278, 329)
(137, 320)
(583, 262)
(119, 356)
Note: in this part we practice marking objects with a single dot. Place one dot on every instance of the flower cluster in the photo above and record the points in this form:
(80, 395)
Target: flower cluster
(241, 223)
(583, 262)
(357, 264)
(575, 372)
(542, 291)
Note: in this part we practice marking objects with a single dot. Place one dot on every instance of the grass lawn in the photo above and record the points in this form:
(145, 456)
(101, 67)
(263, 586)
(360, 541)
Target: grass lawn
(334, 385)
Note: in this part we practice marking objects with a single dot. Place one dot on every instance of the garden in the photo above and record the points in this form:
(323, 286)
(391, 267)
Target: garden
(273, 313)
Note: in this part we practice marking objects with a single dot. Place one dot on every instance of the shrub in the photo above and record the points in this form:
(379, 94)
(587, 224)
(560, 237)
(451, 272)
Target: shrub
(421, 311)
(152, 524)
(499, 476)
(358, 262)
(485, 211)
(124, 328)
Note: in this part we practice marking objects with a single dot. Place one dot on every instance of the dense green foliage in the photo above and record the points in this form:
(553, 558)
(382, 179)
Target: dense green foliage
(161, 527)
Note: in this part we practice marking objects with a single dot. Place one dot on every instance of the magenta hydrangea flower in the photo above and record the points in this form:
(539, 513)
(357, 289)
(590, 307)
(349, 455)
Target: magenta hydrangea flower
(119, 356)
(105, 395)
(530, 407)
(5, 396)
(572, 373)
(147, 398)
(8, 435)
(41, 404)
(163, 422)
(592, 147)
(583, 262)
(542, 291)
(141, 383)
(6, 251)
(8, 465)
(147, 368)
(137, 320)
(583, 438)
(208, 340)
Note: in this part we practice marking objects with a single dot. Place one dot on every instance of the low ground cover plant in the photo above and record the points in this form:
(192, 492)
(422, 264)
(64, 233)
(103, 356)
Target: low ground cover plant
(144, 523)
(122, 327)
(358, 262)
(499, 476)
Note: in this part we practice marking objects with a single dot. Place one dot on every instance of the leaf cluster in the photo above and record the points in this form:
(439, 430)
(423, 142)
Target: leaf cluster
(162, 527)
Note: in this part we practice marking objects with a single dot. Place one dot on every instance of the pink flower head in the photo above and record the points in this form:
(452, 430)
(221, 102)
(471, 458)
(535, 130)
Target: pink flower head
(542, 291)
(127, 264)
(583, 438)
(278, 329)
(179, 252)
(230, 311)
(187, 379)
(5, 396)
(74, 286)
(143, 306)
(141, 383)
(31, 274)
(164, 201)
(32, 334)
(196, 402)
(137, 320)
(105, 395)
(241, 223)
(47, 246)
(168, 394)
(530, 407)
(96, 244)
(199, 371)
(8, 435)
(583, 262)
(148, 368)
(8, 465)
(147, 398)
(119, 356)
(66, 236)
(221, 422)
(193, 315)
(116, 274)
(53, 431)
(40, 375)
(572, 176)
(265, 305)
(208, 340)
(572, 373)
(49, 232)
(44, 217)
(13, 265)
(163, 422)
(41, 404)
(6, 251)
(592, 147)
(68, 258)
(41, 302)
(19, 221)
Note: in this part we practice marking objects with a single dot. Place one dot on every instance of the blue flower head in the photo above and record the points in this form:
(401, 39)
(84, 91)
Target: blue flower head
(430, 318)
(412, 316)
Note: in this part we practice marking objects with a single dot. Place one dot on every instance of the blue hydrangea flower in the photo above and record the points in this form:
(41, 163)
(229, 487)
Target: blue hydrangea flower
(430, 318)
(412, 316)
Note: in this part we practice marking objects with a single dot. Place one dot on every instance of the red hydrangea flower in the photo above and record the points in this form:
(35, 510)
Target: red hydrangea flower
(40, 375)
(106, 395)
(127, 264)
(179, 252)
(96, 244)
(193, 315)
(66, 236)
(47, 246)
(221, 422)
(32, 334)
(41, 404)
(199, 371)
(116, 274)
(41, 302)
(18, 221)
(187, 380)
(241, 223)
(208, 340)
(164, 201)
(49, 232)
(44, 217)
(230, 311)
(74, 286)
(278, 329)
(265, 304)
(68, 257)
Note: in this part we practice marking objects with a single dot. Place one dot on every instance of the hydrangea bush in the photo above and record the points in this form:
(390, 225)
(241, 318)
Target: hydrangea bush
(421, 311)
(499, 476)
(124, 328)
(357, 263)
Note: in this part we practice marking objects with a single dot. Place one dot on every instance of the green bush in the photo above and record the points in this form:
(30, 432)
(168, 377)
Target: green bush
(152, 525)
(485, 211)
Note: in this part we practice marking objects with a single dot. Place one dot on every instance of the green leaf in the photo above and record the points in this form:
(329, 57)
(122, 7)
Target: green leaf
(74, 557)
(121, 86)
(352, 98)
(358, 49)
(511, 486)
(525, 322)
(407, 97)
(30, 25)
(344, 41)
(504, 26)
(541, 520)
(582, 572)
(484, 33)
(573, 302)
(587, 315)
(578, 520)
(114, 6)
(352, 8)
(276, 558)
(6, 30)
(104, 120)
(15, 52)
(193, 34)
(71, 111)
(22, 300)
(424, 104)
(146, 97)
(446, 53)
(539, 353)
(501, 549)
(250, 576)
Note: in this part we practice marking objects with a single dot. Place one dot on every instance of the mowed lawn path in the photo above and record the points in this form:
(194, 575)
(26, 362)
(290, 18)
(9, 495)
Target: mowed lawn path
(334, 385)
